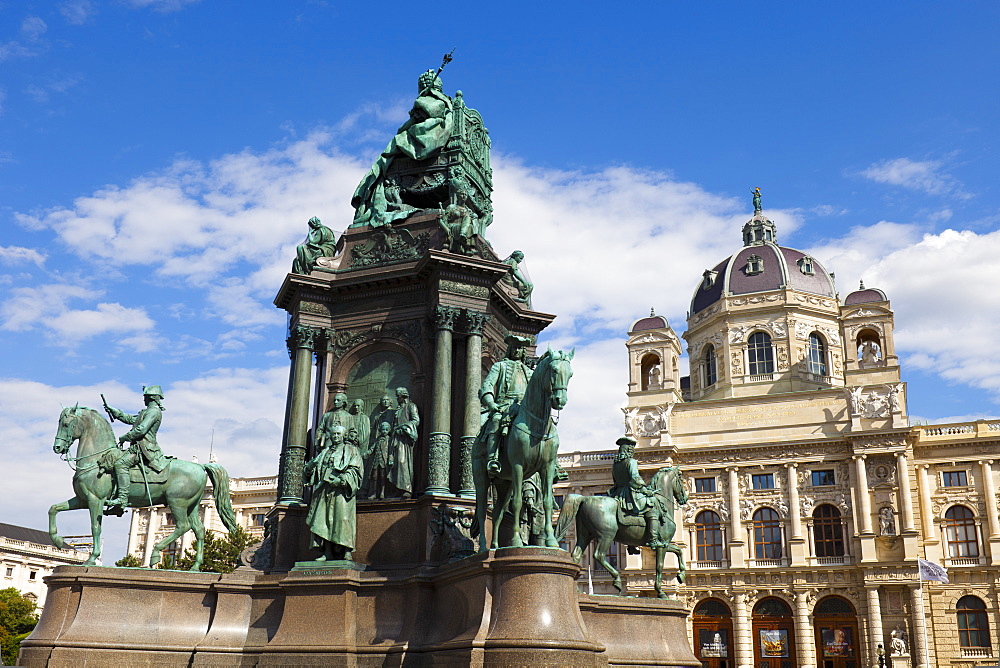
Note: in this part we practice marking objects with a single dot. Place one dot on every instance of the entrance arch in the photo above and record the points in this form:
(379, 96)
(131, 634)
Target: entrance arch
(836, 624)
(713, 634)
(773, 634)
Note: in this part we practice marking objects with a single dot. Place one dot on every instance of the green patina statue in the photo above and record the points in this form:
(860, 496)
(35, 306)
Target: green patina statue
(335, 476)
(627, 515)
(338, 416)
(320, 242)
(500, 396)
(377, 463)
(460, 224)
(144, 449)
(756, 200)
(405, 426)
(421, 137)
(518, 279)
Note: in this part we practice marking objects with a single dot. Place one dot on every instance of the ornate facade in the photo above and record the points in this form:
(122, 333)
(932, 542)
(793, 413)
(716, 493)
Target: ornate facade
(811, 497)
(27, 556)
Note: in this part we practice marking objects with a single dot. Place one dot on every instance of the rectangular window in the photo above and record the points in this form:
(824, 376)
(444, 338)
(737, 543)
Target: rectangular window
(763, 480)
(10, 571)
(955, 479)
(258, 519)
(32, 575)
(821, 478)
(704, 485)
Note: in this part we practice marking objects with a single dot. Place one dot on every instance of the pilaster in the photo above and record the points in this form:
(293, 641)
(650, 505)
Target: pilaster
(439, 457)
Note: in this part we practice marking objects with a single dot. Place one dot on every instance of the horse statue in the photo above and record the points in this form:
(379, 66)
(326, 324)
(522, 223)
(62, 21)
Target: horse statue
(597, 520)
(181, 491)
(531, 447)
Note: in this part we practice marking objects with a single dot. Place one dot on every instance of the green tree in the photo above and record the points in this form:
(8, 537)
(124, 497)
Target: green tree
(222, 553)
(129, 561)
(17, 619)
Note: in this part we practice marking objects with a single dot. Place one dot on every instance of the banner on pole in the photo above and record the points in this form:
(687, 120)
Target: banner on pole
(931, 571)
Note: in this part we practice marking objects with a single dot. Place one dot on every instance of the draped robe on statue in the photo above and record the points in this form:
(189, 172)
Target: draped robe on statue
(331, 514)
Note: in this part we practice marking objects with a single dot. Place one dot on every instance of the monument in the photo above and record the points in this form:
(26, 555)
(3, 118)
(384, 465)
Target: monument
(368, 556)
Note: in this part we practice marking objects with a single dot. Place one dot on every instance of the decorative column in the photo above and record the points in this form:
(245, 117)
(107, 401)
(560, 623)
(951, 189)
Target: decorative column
(864, 498)
(293, 451)
(474, 323)
(926, 512)
(905, 493)
(989, 487)
(743, 631)
(919, 626)
(794, 511)
(439, 457)
(735, 527)
(804, 640)
(876, 636)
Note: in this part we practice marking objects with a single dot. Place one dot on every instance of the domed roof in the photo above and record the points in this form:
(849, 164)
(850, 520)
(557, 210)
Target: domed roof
(652, 321)
(760, 267)
(864, 295)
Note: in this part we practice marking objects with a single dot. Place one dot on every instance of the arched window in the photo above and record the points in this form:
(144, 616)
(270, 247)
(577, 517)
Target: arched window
(973, 626)
(869, 347)
(828, 531)
(711, 367)
(960, 531)
(760, 354)
(766, 534)
(708, 536)
(650, 372)
(817, 355)
(772, 607)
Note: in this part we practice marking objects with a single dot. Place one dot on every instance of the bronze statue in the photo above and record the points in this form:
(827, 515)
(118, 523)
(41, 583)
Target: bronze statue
(405, 428)
(634, 497)
(335, 476)
(377, 463)
(320, 242)
(517, 278)
(337, 416)
(144, 451)
(361, 423)
(500, 395)
(756, 200)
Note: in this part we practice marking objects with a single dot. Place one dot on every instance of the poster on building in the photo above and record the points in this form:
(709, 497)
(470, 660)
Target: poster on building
(713, 644)
(837, 642)
(773, 643)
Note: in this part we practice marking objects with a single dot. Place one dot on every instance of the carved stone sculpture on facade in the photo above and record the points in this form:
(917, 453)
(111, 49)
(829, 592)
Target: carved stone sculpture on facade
(335, 476)
(886, 521)
(320, 242)
(870, 353)
(898, 644)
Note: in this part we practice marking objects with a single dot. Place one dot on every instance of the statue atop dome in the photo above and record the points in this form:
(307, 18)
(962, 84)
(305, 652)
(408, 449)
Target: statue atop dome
(756, 200)
(438, 158)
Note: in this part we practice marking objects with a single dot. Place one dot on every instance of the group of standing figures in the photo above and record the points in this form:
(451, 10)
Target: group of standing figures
(357, 454)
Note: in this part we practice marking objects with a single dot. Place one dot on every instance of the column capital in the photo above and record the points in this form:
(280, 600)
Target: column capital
(859, 457)
(445, 317)
(986, 462)
(732, 469)
(474, 322)
(791, 465)
(303, 336)
(901, 454)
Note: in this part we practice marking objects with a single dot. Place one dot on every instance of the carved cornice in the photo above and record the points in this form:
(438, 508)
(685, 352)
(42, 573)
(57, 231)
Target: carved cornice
(718, 456)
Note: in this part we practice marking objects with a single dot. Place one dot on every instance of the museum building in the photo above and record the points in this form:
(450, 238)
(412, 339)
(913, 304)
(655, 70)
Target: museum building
(811, 497)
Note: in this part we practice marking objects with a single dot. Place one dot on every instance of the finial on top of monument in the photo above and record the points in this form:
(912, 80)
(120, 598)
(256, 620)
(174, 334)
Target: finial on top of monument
(439, 157)
(756, 200)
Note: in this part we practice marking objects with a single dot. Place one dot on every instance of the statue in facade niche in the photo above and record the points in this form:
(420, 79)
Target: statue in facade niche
(405, 429)
(338, 416)
(500, 396)
(460, 225)
(361, 423)
(425, 133)
(384, 412)
(335, 476)
(377, 463)
(870, 352)
(320, 242)
(886, 521)
(897, 645)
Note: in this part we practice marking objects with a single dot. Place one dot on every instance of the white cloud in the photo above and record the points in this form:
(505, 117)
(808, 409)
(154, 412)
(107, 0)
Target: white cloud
(29, 42)
(33, 27)
(77, 12)
(164, 6)
(923, 175)
(18, 255)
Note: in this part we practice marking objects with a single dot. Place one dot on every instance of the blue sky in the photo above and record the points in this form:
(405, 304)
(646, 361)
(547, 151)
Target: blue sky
(159, 160)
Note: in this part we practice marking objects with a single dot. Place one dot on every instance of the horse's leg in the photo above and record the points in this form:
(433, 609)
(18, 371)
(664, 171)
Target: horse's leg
(502, 489)
(548, 475)
(583, 535)
(199, 536)
(516, 499)
(180, 529)
(600, 556)
(95, 504)
(681, 569)
(72, 504)
(661, 555)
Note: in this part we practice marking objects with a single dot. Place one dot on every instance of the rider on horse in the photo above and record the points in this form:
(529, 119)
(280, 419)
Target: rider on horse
(144, 448)
(501, 395)
(634, 497)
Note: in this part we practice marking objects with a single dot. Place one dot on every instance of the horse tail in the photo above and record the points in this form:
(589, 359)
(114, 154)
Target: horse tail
(223, 503)
(568, 514)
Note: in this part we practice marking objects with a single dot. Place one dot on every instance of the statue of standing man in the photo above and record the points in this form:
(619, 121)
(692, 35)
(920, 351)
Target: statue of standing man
(335, 476)
(404, 436)
(500, 395)
(337, 416)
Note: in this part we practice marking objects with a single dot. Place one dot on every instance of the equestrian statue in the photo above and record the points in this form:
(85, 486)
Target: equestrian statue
(138, 477)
